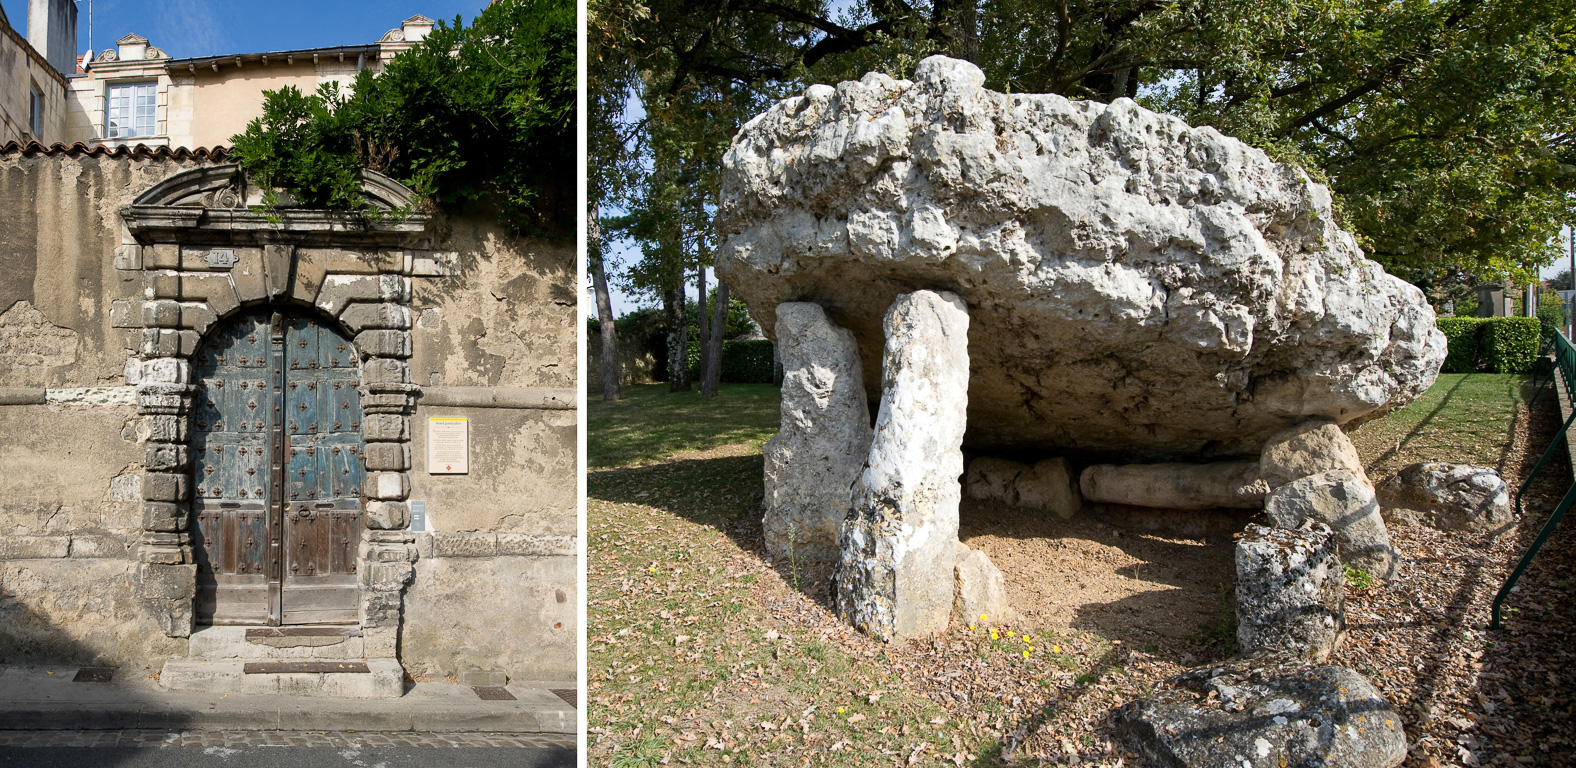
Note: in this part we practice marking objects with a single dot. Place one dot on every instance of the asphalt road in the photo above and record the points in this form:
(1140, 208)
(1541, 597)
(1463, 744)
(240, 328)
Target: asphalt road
(285, 757)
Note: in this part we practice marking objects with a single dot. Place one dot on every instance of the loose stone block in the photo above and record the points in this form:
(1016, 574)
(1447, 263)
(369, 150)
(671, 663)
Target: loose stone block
(1049, 486)
(387, 515)
(384, 343)
(895, 572)
(1265, 710)
(1345, 502)
(993, 479)
(1308, 449)
(158, 486)
(388, 456)
(1448, 497)
(1290, 591)
(1232, 484)
(980, 592)
(818, 452)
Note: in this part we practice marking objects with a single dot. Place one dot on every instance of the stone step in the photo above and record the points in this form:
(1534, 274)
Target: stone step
(330, 678)
(271, 643)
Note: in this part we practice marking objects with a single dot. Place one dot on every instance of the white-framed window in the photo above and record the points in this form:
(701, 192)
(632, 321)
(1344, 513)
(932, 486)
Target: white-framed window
(132, 110)
(35, 112)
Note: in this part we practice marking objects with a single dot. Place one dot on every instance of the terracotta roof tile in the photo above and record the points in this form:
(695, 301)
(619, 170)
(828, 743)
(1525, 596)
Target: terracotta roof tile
(78, 149)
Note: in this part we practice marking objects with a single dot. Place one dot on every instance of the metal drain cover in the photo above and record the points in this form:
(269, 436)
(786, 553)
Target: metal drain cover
(492, 693)
(570, 695)
(94, 675)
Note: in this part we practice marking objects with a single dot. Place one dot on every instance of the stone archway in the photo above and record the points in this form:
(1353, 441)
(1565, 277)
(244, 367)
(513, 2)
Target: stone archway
(203, 256)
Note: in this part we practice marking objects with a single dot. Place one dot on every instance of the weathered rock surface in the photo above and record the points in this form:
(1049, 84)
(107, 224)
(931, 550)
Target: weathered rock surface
(1136, 287)
(993, 479)
(894, 576)
(1290, 591)
(812, 462)
(1266, 711)
(1308, 449)
(1050, 486)
(1448, 497)
(1231, 484)
(980, 592)
(1345, 502)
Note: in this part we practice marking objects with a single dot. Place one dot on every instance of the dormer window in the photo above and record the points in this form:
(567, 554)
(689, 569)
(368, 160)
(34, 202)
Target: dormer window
(131, 110)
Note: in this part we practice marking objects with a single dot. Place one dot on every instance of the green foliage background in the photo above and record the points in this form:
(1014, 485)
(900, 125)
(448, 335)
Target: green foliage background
(1491, 344)
(478, 117)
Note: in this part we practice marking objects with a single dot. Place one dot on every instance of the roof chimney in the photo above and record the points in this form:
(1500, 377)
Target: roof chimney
(52, 31)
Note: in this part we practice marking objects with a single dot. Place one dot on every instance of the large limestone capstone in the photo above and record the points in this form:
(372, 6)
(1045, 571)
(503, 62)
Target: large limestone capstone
(1136, 287)
(894, 575)
(819, 450)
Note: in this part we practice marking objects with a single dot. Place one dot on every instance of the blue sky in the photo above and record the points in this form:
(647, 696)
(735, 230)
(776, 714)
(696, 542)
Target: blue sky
(186, 28)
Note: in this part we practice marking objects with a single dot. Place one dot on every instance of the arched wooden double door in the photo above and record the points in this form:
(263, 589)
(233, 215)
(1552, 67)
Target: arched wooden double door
(277, 467)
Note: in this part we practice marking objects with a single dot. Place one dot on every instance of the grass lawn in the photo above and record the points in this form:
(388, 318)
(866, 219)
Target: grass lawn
(1465, 418)
(651, 425)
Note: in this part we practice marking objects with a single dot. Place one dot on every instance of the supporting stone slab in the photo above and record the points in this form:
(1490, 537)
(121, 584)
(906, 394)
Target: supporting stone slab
(231, 644)
(384, 680)
(894, 576)
(813, 461)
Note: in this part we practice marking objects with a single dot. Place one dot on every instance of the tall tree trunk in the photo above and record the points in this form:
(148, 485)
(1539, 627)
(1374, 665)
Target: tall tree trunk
(604, 312)
(678, 346)
(703, 336)
(719, 323)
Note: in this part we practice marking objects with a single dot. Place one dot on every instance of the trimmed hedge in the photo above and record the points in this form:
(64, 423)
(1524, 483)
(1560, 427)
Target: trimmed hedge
(744, 361)
(1490, 344)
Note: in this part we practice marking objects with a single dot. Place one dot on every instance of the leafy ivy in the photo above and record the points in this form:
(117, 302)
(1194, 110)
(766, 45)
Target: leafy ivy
(471, 118)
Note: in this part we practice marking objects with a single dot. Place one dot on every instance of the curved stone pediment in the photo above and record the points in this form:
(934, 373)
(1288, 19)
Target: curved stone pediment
(217, 204)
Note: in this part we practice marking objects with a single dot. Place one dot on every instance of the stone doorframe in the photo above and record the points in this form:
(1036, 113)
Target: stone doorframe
(200, 255)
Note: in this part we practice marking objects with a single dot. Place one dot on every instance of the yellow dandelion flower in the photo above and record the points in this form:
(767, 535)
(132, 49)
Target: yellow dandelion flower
(1025, 654)
(1009, 633)
(840, 710)
(971, 627)
(1056, 649)
(1028, 639)
(982, 617)
(993, 635)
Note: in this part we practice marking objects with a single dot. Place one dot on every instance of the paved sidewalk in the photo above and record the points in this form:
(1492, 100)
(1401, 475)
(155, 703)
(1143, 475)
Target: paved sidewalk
(38, 698)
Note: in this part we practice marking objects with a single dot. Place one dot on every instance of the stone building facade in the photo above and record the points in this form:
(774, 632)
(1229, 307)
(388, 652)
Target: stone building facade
(214, 416)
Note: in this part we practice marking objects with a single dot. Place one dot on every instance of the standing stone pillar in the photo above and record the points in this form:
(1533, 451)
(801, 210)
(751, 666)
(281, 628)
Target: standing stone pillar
(167, 571)
(894, 574)
(813, 461)
(388, 553)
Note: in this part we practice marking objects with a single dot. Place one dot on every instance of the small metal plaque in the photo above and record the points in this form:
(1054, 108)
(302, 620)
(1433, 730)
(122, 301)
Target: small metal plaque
(418, 516)
(492, 693)
(448, 446)
(94, 675)
(280, 667)
(221, 258)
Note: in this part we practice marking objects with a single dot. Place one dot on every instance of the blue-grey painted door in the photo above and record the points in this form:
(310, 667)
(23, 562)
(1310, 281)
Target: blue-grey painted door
(276, 456)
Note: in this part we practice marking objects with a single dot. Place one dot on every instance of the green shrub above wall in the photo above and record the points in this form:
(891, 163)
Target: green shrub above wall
(1490, 344)
(744, 361)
